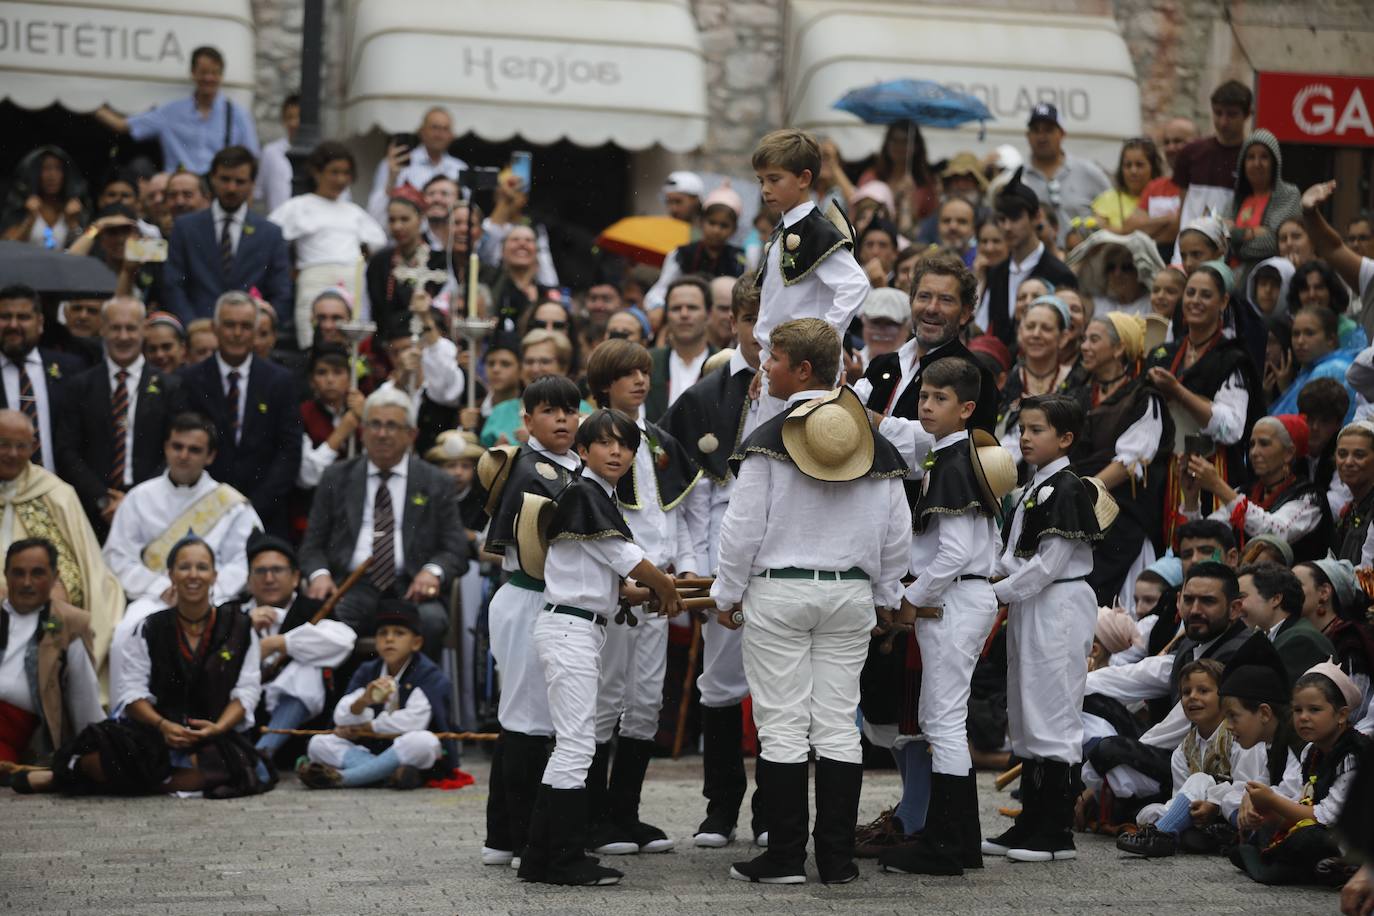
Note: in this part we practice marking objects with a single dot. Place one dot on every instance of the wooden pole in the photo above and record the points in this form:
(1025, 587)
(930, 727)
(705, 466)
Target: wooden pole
(693, 652)
(368, 736)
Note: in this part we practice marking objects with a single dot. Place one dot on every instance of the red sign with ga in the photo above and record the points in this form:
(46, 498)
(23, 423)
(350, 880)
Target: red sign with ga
(1313, 108)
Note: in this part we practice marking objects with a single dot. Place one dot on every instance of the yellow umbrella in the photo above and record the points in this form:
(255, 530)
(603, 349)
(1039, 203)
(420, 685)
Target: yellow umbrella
(645, 239)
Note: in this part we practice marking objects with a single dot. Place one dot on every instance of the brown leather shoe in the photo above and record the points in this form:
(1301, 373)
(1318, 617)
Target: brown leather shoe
(882, 834)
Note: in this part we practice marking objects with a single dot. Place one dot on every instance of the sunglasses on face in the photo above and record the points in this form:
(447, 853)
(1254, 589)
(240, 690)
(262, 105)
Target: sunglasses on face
(1125, 267)
(554, 325)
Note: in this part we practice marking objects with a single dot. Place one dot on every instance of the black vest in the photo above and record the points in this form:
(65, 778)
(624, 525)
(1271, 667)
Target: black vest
(533, 472)
(708, 420)
(185, 689)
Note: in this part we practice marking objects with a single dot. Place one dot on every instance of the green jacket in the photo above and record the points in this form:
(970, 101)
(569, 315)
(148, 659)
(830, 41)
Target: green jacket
(1301, 646)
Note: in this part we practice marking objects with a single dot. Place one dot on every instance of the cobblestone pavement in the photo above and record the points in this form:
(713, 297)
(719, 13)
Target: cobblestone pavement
(380, 851)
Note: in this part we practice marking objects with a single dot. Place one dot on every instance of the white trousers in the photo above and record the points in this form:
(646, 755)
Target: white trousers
(413, 749)
(569, 650)
(722, 681)
(511, 618)
(804, 646)
(1048, 641)
(950, 648)
(633, 662)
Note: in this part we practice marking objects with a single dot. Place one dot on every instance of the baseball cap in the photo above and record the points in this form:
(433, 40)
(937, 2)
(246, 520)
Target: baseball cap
(684, 183)
(1044, 111)
(886, 302)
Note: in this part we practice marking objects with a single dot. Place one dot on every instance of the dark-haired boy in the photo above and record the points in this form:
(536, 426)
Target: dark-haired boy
(808, 268)
(1051, 614)
(401, 693)
(590, 550)
(953, 549)
(544, 465)
(816, 534)
(654, 495)
(711, 419)
(1271, 600)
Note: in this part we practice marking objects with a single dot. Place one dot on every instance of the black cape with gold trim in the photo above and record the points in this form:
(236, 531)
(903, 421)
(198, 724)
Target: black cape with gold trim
(586, 513)
(952, 489)
(767, 441)
(533, 472)
(675, 479)
(1067, 513)
(716, 406)
(818, 238)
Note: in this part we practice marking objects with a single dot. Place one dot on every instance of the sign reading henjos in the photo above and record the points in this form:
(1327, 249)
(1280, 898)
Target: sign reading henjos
(1313, 108)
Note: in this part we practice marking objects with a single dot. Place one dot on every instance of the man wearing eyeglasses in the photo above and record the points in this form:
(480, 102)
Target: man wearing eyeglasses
(1059, 179)
(394, 512)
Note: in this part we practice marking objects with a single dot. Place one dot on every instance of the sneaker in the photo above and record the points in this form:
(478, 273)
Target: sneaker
(710, 840)
(1149, 841)
(761, 840)
(611, 840)
(763, 870)
(319, 776)
(1004, 842)
(1045, 847)
(514, 861)
(650, 838)
(501, 857)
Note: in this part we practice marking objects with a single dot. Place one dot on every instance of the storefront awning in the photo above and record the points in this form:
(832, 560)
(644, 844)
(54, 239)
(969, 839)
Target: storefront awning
(1009, 59)
(628, 72)
(130, 54)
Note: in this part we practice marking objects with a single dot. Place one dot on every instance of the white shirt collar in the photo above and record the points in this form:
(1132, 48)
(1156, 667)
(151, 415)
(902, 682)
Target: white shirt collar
(738, 363)
(601, 481)
(218, 213)
(808, 395)
(791, 217)
(1049, 470)
(135, 368)
(1020, 267)
(958, 435)
(567, 459)
(31, 359)
(242, 368)
(204, 476)
(1273, 632)
(399, 470)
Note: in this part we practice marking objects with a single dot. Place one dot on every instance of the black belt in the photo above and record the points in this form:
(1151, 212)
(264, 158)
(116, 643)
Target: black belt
(816, 575)
(1066, 581)
(971, 578)
(579, 613)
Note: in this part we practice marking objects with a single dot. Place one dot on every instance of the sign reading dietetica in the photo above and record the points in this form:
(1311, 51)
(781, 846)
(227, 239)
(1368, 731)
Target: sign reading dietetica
(1315, 108)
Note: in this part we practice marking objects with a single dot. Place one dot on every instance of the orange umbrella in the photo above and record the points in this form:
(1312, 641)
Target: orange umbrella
(645, 239)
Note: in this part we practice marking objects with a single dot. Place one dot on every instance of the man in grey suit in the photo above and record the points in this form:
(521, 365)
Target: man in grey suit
(391, 506)
(226, 247)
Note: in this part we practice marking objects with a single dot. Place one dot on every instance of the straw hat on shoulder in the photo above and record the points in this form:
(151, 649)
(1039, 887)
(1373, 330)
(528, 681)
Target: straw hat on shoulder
(829, 438)
(993, 468)
(532, 533)
(493, 470)
(1104, 506)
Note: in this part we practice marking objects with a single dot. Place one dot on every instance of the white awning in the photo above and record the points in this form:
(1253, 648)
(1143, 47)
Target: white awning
(130, 54)
(628, 72)
(1009, 59)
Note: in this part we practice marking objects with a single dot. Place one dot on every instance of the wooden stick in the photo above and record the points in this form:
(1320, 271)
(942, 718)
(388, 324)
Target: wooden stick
(693, 651)
(442, 736)
(699, 604)
(1007, 778)
(693, 582)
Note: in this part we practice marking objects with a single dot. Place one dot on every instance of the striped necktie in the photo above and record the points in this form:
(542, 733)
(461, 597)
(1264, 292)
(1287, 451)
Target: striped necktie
(383, 571)
(119, 414)
(28, 404)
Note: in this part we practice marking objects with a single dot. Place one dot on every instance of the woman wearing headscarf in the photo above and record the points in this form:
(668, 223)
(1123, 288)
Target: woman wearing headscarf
(1210, 382)
(1263, 200)
(1038, 370)
(1117, 270)
(1126, 443)
(1279, 502)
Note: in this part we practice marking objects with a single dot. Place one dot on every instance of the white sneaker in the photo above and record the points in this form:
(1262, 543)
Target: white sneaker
(1039, 855)
(713, 840)
(501, 857)
(761, 841)
(515, 862)
(994, 849)
(661, 845)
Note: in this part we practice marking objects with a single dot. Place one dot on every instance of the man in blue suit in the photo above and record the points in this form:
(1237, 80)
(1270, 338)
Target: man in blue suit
(252, 403)
(225, 247)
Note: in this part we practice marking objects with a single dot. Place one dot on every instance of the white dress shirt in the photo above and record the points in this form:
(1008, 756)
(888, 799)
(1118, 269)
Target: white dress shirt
(586, 573)
(1016, 275)
(778, 517)
(236, 221)
(710, 499)
(136, 667)
(835, 290)
(665, 536)
(273, 187)
(443, 378)
(682, 374)
(148, 510)
(310, 647)
(33, 366)
(135, 370)
(394, 719)
(396, 486)
(1055, 558)
(80, 686)
(327, 231)
(951, 546)
(1327, 811)
(242, 369)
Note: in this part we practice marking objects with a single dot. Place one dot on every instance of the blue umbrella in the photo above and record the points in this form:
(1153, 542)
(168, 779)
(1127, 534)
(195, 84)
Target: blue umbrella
(921, 102)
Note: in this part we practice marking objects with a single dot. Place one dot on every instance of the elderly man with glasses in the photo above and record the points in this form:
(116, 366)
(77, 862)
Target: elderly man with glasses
(390, 510)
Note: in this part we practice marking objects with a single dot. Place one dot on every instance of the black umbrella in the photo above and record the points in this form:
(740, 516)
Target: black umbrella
(54, 272)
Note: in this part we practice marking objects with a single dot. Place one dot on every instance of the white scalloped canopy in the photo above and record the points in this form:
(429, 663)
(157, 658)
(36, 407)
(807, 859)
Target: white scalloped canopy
(129, 54)
(1008, 58)
(628, 72)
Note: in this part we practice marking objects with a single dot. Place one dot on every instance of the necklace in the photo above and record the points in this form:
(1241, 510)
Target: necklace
(193, 622)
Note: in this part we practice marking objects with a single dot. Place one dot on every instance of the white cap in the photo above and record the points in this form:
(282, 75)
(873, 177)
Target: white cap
(887, 302)
(684, 183)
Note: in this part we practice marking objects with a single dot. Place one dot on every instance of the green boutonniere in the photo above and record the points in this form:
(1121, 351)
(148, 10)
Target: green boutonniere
(262, 408)
(788, 261)
(225, 655)
(152, 388)
(1159, 352)
(248, 229)
(54, 371)
(419, 499)
(1030, 503)
(929, 461)
(52, 625)
(660, 456)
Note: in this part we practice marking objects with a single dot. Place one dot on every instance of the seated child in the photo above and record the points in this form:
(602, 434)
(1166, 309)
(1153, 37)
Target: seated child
(1204, 766)
(1300, 812)
(1255, 697)
(402, 693)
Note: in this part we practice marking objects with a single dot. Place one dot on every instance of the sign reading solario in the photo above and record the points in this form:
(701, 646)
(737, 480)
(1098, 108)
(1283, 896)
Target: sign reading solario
(1314, 108)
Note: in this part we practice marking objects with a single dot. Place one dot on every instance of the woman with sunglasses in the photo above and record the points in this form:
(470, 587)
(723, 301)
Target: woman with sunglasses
(1118, 270)
(552, 315)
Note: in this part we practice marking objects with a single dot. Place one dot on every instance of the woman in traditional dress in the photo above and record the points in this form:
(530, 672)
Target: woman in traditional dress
(1126, 442)
(190, 683)
(1038, 371)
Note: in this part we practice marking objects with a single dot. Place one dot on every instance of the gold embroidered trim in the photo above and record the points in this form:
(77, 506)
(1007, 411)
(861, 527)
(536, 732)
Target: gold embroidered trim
(677, 502)
(810, 270)
(36, 515)
(201, 516)
(1066, 535)
(597, 536)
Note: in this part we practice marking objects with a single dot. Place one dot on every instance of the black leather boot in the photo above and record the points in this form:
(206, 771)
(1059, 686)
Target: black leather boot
(568, 862)
(837, 811)
(782, 793)
(724, 780)
(937, 849)
(627, 782)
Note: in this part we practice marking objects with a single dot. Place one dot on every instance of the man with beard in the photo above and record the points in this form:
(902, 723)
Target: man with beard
(1209, 606)
(33, 378)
